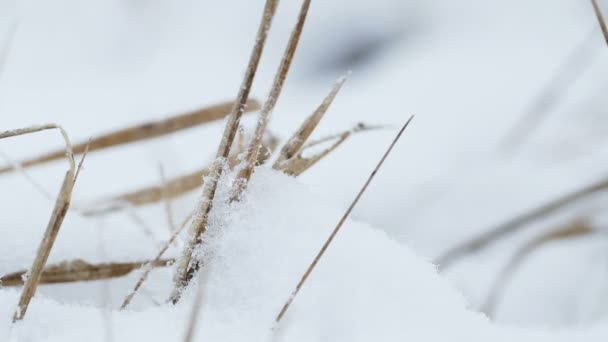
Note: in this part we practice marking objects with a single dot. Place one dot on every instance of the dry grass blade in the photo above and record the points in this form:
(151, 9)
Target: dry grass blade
(339, 225)
(572, 230)
(545, 101)
(186, 266)
(170, 189)
(293, 146)
(300, 164)
(600, 19)
(61, 207)
(149, 266)
(141, 132)
(256, 143)
(495, 234)
(80, 270)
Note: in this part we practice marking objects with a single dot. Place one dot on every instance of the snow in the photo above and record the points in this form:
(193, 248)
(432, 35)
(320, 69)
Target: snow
(469, 70)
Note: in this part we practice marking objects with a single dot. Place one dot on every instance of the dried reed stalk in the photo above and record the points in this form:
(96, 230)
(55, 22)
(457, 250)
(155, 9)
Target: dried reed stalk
(80, 270)
(339, 225)
(495, 234)
(186, 266)
(600, 19)
(142, 132)
(150, 265)
(571, 230)
(300, 164)
(170, 189)
(256, 143)
(61, 207)
(299, 138)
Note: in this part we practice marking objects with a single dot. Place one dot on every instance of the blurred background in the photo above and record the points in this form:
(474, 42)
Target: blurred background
(509, 97)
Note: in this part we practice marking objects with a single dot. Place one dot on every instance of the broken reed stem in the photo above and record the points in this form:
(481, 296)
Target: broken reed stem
(186, 265)
(299, 138)
(172, 188)
(149, 266)
(600, 19)
(80, 270)
(573, 229)
(140, 132)
(54, 225)
(501, 231)
(339, 225)
(256, 143)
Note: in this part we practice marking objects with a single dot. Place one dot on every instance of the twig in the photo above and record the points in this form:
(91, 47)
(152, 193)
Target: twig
(186, 265)
(495, 234)
(256, 143)
(80, 270)
(61, 207)
(600, 19)
(339, 225)
(149, 266)
(573, 229)
(298, 139)
(141, 132)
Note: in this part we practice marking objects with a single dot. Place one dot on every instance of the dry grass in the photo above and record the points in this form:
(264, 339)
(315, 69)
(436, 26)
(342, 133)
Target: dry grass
(600, 19)
(293, 146)
(141, 132)
(256, 144)
(572, 230)
(514, 225)
(333, 234)
(186, 266)
(62, 205)
(170, 188)
(80, 270)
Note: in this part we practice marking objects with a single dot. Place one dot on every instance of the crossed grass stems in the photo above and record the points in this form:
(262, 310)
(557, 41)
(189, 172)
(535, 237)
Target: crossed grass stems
(291, 160)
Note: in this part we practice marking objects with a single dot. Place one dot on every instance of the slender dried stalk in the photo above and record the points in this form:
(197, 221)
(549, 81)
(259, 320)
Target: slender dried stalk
(256, 143)
(300, 164)
(297, 141)
(149, 266)
(80, 270)
(6, 47)
(186, 265)
(495, 234)
(339, 225)
(61, 207)
(141, 132)
(572, 230)
(166, 200)
(578, 61)
(172, 188)
(600, 19)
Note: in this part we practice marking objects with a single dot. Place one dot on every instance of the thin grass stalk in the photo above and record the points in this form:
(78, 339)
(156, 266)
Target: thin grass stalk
(279, 80)
(293, 146)
(572, 230)
(600, 19)
(54, 225)
(186, 266)
(514, 225)
(339, 226)
(140, 132)
(298, 164)
(150, 265)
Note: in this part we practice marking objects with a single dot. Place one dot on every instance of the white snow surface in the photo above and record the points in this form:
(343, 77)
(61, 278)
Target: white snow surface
(468, 70)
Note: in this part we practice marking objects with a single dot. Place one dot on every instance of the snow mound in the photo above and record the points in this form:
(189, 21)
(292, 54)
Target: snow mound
(368, 287)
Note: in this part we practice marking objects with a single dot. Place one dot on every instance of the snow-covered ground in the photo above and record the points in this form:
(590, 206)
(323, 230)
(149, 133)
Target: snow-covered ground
(469, 70)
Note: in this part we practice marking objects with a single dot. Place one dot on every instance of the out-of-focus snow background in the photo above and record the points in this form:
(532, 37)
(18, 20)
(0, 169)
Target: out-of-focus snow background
(470, 71)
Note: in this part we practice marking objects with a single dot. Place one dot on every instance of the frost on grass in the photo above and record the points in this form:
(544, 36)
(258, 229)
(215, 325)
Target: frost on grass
(367, 287)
